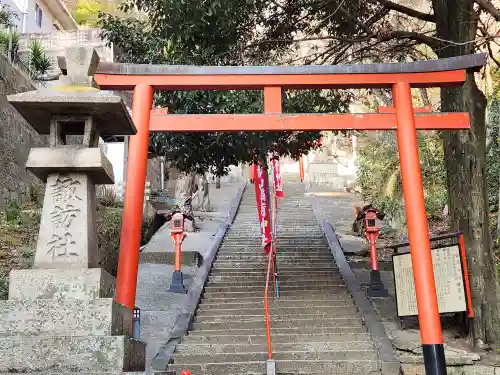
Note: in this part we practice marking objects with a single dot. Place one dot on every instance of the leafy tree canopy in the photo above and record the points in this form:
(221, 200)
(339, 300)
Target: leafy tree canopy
(200, 32)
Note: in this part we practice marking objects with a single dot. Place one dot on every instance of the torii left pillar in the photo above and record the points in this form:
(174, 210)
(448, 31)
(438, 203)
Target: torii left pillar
(130, 238)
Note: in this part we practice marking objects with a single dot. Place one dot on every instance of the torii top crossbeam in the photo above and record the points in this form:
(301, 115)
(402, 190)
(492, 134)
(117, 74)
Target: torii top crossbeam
(434, 73)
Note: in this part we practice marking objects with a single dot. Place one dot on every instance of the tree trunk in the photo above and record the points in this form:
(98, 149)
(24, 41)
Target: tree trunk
(184, 191)
(217, 182)
(424, 97)
(204, 195)
(497, 237)
(465, 162)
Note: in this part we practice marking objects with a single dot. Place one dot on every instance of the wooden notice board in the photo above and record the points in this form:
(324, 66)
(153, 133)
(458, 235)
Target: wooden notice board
(449, 278)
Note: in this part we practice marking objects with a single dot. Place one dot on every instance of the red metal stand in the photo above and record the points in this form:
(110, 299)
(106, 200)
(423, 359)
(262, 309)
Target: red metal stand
(372, 231)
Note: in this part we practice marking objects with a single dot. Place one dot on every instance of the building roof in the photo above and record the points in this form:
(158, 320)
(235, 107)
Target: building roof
(61, 13)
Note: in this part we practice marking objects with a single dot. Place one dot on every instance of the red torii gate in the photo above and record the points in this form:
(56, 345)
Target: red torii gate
(398, 77)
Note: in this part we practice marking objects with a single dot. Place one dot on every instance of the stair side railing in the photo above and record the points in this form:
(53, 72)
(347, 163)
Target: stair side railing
(271, 266)
(266, 307)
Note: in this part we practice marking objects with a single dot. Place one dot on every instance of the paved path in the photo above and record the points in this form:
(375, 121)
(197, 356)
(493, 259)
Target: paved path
(158, 306)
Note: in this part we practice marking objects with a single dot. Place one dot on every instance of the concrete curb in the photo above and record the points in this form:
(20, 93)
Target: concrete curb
(387, 356)
(188, 309)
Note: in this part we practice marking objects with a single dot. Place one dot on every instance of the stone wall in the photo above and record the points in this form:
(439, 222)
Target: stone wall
(16, 137)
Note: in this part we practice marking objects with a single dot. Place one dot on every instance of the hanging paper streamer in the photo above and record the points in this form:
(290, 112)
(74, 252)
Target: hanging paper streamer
(278, 182)
(262, 193)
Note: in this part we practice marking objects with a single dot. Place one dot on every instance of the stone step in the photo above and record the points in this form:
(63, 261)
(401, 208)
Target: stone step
(290, 235)
(204, 349)
(281, 251)
(276, 321)
(310, 332)
(303, 311)
(70, 317)
(288, 283)
(291, 293)
(305, 260)
(257, 242)
(305, 257)
(251, 236)
(284, 367)
(261, 279)
(277, 303)
(261, 355)
(263, 264)
(289, 272)
(306, 296)
(71, 354)
(284, 292)
(226, 269)
(250, 338)
(226, 288)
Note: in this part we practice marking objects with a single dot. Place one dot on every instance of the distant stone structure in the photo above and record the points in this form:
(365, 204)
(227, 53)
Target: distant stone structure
(61, 316)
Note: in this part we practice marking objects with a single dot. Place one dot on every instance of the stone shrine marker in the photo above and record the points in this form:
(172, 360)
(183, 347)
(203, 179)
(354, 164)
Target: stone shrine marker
(61, 316)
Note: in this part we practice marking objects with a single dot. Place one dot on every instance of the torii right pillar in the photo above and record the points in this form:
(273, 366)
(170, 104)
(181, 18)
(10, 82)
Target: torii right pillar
(418, 232)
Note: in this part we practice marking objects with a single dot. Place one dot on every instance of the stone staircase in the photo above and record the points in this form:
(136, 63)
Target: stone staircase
(316, 328)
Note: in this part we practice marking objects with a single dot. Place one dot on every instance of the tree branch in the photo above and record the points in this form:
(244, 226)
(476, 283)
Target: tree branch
(408, 11)
(488, 6)
(354, 20)
(492, 55)
(429, 40)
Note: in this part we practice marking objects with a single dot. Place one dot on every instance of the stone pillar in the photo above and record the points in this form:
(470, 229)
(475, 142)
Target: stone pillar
(61, 316)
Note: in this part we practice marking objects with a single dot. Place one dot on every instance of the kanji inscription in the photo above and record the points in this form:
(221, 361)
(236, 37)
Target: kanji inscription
(64, 193)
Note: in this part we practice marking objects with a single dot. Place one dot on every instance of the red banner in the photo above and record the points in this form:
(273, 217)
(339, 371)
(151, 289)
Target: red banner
(262, 195)
(278, 182)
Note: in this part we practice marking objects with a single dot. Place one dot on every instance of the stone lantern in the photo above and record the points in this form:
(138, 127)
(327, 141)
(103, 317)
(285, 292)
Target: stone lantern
(61, 316)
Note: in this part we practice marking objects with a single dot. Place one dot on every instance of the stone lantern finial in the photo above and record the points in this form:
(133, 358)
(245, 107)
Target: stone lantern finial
(78, 65)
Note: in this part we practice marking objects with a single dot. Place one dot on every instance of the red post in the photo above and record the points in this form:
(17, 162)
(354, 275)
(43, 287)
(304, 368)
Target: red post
(186, 372)
(461, 244)
(130, 237)
(272, 99)
(373, 251)
(301, 168)
(418, 232)
(178, 241)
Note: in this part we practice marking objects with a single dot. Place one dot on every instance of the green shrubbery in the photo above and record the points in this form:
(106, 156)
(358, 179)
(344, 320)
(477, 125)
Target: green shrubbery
(379, 175)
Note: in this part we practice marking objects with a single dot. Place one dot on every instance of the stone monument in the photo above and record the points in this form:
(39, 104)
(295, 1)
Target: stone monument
(61, 316)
